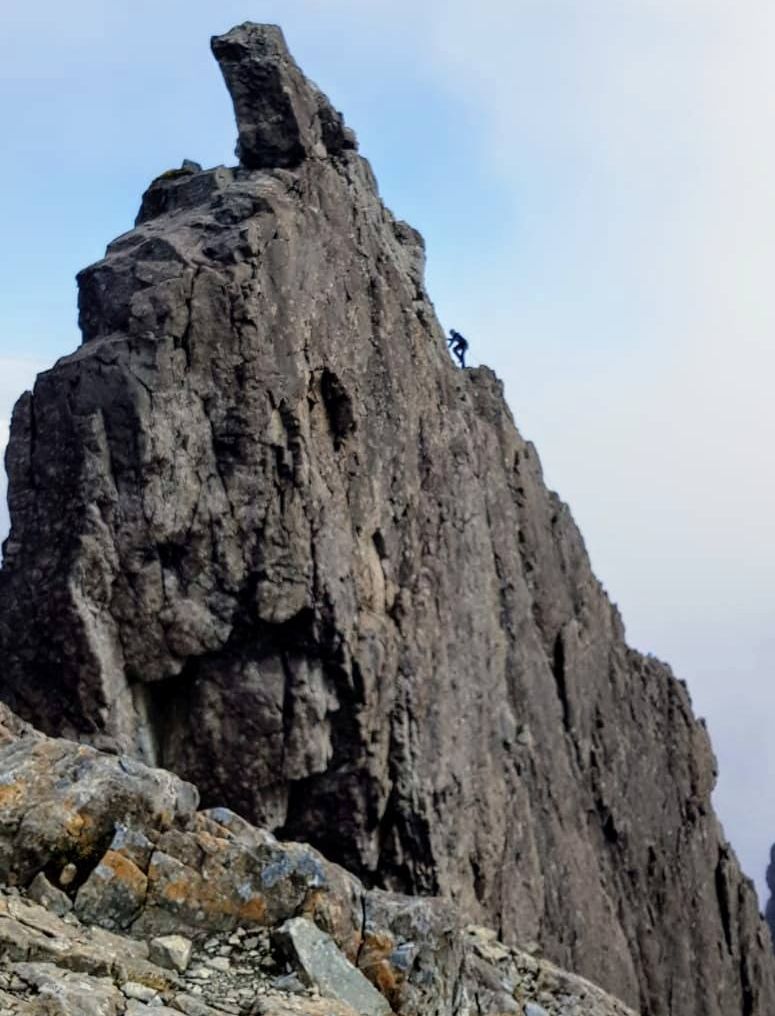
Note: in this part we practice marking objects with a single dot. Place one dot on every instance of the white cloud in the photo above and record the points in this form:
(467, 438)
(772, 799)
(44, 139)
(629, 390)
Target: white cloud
(634, 323)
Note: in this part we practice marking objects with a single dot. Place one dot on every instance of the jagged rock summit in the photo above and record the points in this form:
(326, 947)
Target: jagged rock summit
(267, 536)
(282, 118)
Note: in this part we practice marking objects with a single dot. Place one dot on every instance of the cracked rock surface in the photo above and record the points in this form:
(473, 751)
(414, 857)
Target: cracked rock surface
(266, 536)
(203, 914)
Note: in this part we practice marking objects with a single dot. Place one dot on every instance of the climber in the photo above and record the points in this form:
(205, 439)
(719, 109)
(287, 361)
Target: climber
(458, 345)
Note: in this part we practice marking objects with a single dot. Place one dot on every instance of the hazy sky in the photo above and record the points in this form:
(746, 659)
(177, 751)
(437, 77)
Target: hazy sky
(595, 180)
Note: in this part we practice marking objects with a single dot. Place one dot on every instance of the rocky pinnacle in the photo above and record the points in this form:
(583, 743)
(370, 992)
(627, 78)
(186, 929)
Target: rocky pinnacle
(267, 536)
(282, 118)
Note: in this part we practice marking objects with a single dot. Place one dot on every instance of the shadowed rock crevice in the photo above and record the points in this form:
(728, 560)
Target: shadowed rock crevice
(263, 531)
(339, 407)
(558, 669)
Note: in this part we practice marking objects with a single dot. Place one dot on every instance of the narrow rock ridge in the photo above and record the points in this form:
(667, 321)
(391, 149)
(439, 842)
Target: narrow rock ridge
(265, 535)
(770, 910)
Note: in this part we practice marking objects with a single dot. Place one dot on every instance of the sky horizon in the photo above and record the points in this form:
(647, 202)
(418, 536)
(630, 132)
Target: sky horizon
(595, 191)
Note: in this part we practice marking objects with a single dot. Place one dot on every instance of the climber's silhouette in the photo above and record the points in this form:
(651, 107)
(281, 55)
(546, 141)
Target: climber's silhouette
(458, 345)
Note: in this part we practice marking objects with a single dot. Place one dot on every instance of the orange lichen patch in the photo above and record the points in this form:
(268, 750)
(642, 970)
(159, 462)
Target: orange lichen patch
(153, 872)
(212, 898)
(125, 871)
(385, 978)
(74, 824)
(253, 910)
(375, 964)
(351, 946)
(211, 844)
(314, 906)
(176, 891)
(80, 828)
(11, 794)
(211, 892)
(377, 945)
(323, 909)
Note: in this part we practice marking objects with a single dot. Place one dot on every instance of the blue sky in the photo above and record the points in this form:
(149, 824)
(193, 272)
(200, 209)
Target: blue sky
(595, 184)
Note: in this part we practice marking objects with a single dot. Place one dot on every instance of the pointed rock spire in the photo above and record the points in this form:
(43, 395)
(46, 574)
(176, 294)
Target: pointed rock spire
(281, 116)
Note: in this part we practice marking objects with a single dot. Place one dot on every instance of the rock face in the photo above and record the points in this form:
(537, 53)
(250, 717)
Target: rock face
(265, 535)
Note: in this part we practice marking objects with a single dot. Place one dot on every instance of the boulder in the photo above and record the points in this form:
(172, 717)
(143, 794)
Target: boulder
(171, 951)
(43, 892)
(323, 966)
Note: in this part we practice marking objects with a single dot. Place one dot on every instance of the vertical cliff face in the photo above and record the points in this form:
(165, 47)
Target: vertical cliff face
(265, 534)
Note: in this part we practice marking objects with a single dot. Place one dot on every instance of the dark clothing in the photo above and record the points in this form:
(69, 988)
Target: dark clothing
(458, 345)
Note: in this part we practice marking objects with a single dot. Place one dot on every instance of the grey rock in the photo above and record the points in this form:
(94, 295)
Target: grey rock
(135, 1008)
(43, 892)
(62, 800)
(192, 1006)
(500, 979)
(282, 118)
(289, 1005)
(132, 844)
(114, 893)
(413, 950)
(321, 964)
(171, 951)
(167, 869)
(140, 992)
(65, 993)
(220, 963)
(289, 983)
(265, 535)
(214, 877)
